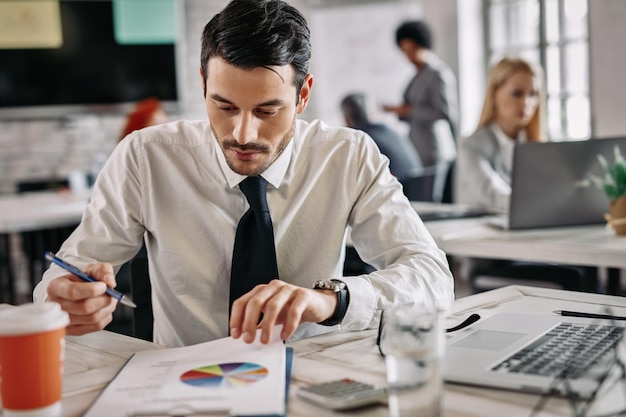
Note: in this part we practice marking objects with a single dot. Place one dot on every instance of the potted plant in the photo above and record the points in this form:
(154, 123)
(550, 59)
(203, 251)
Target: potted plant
(614, 186)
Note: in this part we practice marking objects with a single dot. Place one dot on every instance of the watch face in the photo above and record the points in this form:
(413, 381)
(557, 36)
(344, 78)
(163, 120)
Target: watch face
(327, 284)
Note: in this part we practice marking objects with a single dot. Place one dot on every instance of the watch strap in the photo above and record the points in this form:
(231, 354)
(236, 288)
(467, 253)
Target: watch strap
(343, 299)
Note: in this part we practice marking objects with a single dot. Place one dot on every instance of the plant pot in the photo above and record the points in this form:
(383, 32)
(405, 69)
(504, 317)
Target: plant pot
(617, 215)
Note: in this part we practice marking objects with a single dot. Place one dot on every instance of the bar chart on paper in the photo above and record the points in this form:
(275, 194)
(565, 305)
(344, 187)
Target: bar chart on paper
(225, 375)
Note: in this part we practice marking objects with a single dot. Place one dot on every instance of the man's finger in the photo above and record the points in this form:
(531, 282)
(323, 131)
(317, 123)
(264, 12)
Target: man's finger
(69, 287)
(238, 311)
(102, 272)
(272, 310)
(90, 310)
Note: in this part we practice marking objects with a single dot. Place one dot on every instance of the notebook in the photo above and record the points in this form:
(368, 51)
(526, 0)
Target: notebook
(495, 352)
(551, 186)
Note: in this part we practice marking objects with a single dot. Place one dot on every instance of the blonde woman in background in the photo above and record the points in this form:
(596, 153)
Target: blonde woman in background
(511, 114)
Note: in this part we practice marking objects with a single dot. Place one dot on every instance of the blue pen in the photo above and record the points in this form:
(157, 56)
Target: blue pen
(80, 274)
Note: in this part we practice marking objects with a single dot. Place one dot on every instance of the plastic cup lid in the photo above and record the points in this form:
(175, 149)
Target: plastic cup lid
(32, 318)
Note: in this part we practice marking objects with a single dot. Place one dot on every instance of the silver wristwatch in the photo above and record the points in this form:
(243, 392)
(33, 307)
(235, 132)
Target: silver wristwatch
(343, 298)
(329, 284)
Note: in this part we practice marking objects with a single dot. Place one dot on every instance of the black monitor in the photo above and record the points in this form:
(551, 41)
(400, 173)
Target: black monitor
(90, 69)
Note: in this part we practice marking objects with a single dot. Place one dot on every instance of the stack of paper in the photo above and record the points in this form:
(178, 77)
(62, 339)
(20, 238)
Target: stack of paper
(223, 377)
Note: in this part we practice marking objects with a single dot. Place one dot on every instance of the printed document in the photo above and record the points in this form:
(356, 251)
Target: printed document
(221, 377)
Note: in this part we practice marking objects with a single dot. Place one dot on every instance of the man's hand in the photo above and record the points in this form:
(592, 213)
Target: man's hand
(89, 307)
(280, 303)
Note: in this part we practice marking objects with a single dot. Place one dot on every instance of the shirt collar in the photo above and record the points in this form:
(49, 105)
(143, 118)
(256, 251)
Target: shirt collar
(507, 146)
(505, 139)
(274, 174)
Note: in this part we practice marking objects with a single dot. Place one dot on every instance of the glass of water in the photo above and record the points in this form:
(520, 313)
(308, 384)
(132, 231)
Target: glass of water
(413, 343)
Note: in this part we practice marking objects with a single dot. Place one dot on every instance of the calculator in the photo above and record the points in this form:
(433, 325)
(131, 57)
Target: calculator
(343, 394)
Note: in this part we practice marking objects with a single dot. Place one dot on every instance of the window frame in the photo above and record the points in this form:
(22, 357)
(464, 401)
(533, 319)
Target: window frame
(558, 126)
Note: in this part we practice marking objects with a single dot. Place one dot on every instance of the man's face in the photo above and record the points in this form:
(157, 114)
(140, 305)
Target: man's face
(253, 112)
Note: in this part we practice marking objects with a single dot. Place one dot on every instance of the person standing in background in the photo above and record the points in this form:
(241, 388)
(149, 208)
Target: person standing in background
(430, 100)
(511, 114)
(403, 158)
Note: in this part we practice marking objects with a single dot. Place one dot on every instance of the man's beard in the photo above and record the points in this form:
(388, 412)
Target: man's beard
(227, 144)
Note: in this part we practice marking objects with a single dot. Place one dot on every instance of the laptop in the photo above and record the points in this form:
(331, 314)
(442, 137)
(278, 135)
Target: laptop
(443, 211)
(551, 186)
(512, 351)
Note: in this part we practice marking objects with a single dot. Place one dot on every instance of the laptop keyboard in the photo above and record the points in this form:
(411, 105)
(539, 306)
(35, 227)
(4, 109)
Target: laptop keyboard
(567, 351)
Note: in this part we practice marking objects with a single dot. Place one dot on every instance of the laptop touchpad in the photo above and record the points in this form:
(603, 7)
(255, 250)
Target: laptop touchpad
(488, 339)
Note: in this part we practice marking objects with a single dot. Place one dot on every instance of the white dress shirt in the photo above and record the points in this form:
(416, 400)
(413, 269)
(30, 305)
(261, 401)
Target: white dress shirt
(484, 167)
(171, 186)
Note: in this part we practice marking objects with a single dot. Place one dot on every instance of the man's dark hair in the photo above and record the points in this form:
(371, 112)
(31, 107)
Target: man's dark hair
(354, 108)
(417, 31)
(258, 33)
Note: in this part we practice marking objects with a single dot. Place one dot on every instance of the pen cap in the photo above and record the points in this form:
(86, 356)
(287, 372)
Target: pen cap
(32, 346)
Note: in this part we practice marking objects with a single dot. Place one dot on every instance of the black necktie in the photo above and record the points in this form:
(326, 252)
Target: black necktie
(254, 253)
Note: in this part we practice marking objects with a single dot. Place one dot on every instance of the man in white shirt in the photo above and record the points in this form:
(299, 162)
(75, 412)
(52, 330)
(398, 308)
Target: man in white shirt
(176, 187)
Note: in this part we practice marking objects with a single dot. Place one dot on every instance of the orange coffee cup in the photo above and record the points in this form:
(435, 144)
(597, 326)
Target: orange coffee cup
(32, 345)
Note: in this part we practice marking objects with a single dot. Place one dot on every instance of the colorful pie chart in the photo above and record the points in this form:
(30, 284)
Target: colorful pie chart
(225, 375)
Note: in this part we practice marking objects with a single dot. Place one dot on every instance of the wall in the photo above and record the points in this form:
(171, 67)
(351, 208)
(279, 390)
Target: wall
(471, 63)
(42, 149)
(607, 31)
(45, 148)
(51, 148)
(350, 56)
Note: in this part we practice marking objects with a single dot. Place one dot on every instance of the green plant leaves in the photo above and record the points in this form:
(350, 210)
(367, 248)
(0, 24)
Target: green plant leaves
(614, 182)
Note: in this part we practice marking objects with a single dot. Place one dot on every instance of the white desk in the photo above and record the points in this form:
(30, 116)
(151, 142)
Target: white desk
(40, 210)
(92, 360)
(592, 245)
(29, 214)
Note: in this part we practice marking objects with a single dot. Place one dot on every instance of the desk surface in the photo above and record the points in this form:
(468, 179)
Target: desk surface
(40, 210)
(92, 360)
(592, 245)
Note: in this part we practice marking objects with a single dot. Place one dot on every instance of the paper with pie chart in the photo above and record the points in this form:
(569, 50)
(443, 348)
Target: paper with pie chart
(225, 375)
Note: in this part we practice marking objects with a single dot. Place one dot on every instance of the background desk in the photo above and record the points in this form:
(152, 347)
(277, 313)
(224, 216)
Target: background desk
(93, 360)
(30, 216)
(592, 245)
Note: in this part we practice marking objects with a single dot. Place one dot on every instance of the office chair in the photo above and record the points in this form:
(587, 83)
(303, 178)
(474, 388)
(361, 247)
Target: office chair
(433, 183)
(141, 291)
(354, 265)
(420, 185)
(448, 188)
(7, 279)
(499, 273)
(133, 279)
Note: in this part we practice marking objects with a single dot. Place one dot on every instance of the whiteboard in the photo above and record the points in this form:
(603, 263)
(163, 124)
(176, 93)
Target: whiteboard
(354, 49)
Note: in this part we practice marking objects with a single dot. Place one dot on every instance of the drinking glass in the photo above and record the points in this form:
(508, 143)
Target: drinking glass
(413, 343)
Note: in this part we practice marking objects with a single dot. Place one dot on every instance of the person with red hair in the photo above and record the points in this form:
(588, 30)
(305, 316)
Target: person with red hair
(147, 112)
